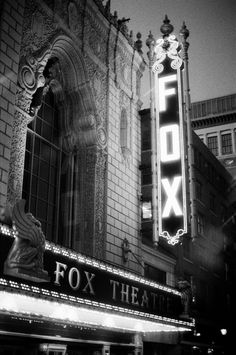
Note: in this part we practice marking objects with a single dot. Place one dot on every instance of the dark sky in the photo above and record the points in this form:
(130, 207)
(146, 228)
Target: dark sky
(212, 51)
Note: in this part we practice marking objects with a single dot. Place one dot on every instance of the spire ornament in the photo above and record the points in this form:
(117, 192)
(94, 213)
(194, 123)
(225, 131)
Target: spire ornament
(150, 42)
(184, 34)
(166, 28)
(139, 43)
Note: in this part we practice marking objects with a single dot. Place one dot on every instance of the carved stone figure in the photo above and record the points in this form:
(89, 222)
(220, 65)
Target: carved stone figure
(186, 290)
(25, 259)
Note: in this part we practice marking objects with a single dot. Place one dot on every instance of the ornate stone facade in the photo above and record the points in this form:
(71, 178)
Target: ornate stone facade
(81, 52)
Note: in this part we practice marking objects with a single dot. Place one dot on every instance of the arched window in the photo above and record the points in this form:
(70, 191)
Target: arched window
(44, 156)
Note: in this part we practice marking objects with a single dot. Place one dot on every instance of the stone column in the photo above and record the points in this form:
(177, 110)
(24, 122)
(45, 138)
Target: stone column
(94, 193)
(100, 213)
(17, 158)
(89, 200)
(30, 78)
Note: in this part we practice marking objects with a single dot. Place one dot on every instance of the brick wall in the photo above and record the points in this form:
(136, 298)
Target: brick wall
(10, 38)
(123, 215)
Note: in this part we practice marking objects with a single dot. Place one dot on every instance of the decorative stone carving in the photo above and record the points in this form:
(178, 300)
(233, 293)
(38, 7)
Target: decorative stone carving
(125, 126)
(123, 66)
(39, 26)
(30, 78)
(101, 137)
(95, 42)
(89, 201)
(125, 73)
(100, 203)
(138, 82)
(124, 100)
(186, 290)
(99, 84)
(73, 18)
(96, 34)
(25, 259)
(112, 52)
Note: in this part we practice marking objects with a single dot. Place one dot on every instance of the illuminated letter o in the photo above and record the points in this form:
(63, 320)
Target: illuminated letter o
(173, 141)
(72, 270)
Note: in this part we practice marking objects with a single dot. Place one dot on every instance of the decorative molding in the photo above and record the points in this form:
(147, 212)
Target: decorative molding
(198, 123)
(30, 78)
(75, 18)
(99, 85)
(38, 27)
(99, 241)
(101, 137)
(89, 201)
(123, 66)
(124, 100)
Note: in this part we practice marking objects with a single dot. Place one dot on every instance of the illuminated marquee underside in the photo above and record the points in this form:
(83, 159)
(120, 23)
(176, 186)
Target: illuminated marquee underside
(93, 314)
(172, 209)
(35, 301)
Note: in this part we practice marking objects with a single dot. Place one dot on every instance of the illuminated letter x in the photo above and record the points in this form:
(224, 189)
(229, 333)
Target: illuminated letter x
(171, 191)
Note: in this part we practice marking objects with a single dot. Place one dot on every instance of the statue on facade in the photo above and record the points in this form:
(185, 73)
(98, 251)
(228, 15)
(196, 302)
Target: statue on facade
(186, 296)
(25, 258)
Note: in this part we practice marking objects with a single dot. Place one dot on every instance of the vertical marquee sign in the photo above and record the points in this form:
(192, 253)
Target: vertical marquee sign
(172, 216)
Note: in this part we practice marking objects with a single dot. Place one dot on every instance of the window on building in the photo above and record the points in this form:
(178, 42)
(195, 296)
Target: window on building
(146, 210)
(212, 143)
(155, 274)
(226, 143)
(43, 180)
(146, 133)
(212, 202)
(199, 160)
(223, 213)
(146, 232)
(199, 190)
(200, 224)
(146, 175)
(202, 291)
(187, 247)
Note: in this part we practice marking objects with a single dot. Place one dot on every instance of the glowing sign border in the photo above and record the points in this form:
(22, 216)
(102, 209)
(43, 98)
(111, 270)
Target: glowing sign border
(158, 68)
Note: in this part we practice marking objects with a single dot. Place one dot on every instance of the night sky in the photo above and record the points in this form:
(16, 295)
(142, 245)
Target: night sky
(212, 51)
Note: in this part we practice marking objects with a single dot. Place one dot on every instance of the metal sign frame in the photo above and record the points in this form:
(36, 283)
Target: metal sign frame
(170, 138)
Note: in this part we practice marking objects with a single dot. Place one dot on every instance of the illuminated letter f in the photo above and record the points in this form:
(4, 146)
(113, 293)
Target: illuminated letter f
(163, 92)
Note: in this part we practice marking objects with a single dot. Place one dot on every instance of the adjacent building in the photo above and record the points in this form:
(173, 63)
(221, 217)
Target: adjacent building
(214, 122)
(207, 256)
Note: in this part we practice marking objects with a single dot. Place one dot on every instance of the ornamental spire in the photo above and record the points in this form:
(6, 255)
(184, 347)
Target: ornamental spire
(184, 33)
(166, 28)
